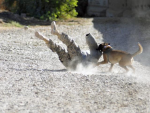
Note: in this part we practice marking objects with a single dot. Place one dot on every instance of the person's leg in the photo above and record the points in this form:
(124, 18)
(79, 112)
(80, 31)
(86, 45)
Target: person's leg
(40, 36)
(74, 50)
(72, 47)
(61, 36)
(62, 54)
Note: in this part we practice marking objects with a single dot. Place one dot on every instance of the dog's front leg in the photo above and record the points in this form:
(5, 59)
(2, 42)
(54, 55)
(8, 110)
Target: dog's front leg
(105, 61)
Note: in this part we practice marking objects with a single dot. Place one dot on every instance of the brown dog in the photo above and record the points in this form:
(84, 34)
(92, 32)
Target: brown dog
(115, 56)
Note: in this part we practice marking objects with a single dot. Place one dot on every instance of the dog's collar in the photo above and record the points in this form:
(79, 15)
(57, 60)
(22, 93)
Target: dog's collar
(107, 50)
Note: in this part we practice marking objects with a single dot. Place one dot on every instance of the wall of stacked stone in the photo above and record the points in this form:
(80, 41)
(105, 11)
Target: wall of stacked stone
(121, 8)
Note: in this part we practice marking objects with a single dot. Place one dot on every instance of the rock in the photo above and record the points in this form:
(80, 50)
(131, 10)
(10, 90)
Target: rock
(1, 21)
(23, 15)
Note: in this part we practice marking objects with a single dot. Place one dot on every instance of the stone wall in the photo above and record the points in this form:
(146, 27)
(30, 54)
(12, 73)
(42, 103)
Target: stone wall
(118, 8)
(97, 7)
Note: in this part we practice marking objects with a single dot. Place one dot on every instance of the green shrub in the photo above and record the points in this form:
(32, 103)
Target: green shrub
(44, 9)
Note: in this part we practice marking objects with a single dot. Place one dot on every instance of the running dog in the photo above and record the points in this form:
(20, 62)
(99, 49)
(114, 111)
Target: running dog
(116, 56)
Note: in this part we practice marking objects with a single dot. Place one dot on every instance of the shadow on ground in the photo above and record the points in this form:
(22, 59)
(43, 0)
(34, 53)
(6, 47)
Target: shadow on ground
(8, 16)
(125, 33)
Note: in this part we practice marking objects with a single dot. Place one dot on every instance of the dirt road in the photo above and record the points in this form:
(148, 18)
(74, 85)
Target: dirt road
(32, 80)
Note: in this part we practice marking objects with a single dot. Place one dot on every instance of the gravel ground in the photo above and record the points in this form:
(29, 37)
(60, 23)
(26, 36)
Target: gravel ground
(32, 80)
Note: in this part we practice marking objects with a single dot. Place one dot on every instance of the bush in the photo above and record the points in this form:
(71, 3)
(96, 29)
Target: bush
(44, 9)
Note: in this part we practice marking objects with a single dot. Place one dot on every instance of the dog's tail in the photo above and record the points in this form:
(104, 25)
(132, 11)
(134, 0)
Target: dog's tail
(139, 51)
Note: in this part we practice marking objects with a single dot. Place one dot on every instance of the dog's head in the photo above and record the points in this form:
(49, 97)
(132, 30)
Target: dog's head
(102, 46)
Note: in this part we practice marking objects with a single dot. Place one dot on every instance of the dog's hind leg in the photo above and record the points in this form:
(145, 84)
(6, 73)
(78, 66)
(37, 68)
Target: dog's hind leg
(110, 69)
(124, 67)
(132, 68)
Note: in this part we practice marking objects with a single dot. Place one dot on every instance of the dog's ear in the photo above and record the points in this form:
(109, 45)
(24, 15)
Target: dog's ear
(100, 47)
